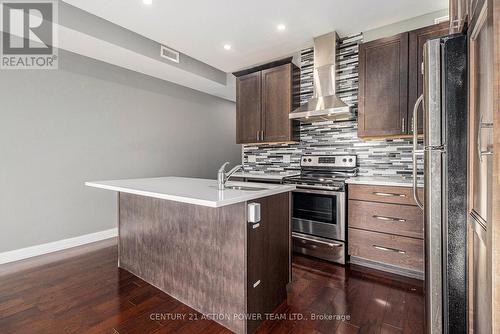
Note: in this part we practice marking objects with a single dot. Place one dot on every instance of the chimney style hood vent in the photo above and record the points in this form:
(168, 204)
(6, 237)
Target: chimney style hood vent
(324, 105)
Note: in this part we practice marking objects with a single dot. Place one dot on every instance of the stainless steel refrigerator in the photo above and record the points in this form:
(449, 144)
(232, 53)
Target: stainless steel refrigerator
(444, 102)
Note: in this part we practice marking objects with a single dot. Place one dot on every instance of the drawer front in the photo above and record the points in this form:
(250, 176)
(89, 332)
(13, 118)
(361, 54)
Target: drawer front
(389, 218)
(319, 247)
(386, 248)
(383, 194)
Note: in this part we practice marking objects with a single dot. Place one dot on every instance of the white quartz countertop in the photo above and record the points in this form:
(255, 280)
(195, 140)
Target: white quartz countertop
(395, 181)
(191, 190)
(266, 176)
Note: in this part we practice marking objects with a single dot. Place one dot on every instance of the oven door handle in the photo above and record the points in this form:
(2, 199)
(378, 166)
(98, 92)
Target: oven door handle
(330, 244)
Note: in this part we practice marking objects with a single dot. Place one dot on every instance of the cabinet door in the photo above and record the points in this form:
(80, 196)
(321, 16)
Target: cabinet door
(276, 216)
(248, 108)
(277, 103)
(383, 87)
(268, 257)
(256, 241)
(416, 79)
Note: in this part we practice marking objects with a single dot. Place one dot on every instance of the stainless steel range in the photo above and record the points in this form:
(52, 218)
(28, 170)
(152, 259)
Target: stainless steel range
(319, 206)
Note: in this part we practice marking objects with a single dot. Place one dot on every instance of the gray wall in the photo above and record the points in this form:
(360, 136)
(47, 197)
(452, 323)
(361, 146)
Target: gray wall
(402, 26)
(95, 121)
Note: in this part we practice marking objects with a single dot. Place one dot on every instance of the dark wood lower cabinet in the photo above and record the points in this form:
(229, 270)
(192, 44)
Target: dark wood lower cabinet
(267, 259)
(386, 229)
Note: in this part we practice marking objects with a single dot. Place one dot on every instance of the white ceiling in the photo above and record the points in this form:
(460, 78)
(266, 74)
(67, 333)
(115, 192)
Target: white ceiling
(200, 28)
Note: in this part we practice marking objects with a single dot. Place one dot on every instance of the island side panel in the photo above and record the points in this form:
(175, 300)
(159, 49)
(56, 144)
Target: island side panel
(194, 253)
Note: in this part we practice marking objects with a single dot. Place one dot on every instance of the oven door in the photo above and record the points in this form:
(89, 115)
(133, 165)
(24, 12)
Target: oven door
(319, 213)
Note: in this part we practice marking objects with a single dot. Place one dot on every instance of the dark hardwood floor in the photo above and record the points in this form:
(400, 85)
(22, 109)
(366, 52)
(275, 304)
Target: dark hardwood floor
(82, 291)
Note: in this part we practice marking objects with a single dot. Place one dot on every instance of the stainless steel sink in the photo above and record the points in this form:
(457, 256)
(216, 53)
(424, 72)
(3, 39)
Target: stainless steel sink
(246, 188)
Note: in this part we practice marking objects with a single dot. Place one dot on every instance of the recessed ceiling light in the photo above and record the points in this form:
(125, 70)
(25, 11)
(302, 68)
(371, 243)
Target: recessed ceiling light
(281, 27)
(227, 46)
(147, 2)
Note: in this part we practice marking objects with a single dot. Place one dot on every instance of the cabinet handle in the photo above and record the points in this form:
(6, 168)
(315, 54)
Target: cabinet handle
(401, 220)
(388, 249)
(388, 194)
(258, 132)
(262, 135)
(256, 284)
(403, 125)
(254, 226)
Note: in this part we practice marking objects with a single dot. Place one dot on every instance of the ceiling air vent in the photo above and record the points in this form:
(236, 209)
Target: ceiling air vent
(169, 54)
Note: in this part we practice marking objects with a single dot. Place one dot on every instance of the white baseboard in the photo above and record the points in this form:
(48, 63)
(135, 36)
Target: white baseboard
(24, 253)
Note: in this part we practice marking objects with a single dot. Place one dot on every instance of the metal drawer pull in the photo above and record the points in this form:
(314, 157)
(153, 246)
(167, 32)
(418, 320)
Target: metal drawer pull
(401, 220)
(254, 226)
(330, 244)
(387, 249)
(256, 284)
(388, 194)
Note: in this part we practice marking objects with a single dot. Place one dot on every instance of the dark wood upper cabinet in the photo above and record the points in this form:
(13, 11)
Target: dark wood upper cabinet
(383, 87)
(416, 79)
(391, 80)
(264, 100)
(248, 108)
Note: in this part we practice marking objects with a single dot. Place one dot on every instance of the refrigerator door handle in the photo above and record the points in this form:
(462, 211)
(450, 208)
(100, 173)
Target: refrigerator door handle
(415, 150)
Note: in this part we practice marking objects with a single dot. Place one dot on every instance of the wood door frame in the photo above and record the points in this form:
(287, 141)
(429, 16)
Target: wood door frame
(494, 235)
(478, 22)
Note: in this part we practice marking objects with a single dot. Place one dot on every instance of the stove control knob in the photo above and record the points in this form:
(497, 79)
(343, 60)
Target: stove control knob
(309, 160)
(350, 160)
(304, 160)
(344, 160)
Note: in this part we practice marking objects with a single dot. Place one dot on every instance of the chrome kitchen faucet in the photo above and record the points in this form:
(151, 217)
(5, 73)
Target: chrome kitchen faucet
(223, 176)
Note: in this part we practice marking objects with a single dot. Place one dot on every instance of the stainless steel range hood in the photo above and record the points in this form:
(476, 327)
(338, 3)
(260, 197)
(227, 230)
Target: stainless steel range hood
(324, 105)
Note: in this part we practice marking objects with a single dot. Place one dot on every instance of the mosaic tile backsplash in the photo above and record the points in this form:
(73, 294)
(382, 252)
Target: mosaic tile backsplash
(384, 157)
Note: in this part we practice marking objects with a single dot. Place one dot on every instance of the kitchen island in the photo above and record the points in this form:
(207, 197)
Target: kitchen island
(196, 243)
